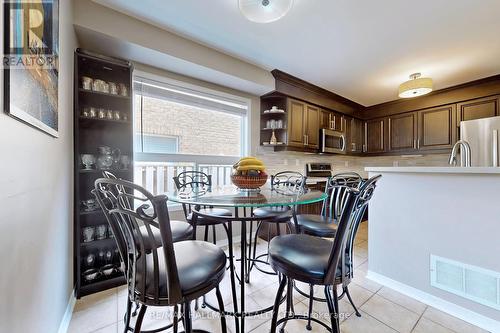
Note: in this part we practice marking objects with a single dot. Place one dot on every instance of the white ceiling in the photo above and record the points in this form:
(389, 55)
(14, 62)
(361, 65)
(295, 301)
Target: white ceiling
(359, 49)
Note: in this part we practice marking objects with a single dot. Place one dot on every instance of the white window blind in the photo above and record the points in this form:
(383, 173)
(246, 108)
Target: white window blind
(187, 96)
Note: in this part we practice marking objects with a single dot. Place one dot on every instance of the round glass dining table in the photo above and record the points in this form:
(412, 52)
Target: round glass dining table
(231, 196)
(243, 202)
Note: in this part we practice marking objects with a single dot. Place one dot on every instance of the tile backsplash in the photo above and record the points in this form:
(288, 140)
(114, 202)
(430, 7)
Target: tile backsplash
(296, 161)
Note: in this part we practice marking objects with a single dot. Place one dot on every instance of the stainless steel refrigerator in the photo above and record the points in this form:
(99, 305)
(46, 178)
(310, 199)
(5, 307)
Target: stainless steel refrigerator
(483, 138)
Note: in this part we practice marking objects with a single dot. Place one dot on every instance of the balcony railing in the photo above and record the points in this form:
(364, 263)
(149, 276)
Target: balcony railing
(157, 177)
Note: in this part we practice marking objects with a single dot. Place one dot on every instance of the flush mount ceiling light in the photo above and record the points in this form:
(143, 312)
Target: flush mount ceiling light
(264, 11)
(416, 86)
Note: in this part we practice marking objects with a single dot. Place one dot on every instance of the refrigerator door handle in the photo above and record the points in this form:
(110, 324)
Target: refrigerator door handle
(495, 148)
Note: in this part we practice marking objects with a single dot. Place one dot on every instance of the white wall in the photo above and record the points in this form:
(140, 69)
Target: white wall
(451, 215)
(36, 207)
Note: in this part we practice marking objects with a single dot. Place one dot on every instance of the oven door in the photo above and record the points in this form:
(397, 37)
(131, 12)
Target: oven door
(333, 142)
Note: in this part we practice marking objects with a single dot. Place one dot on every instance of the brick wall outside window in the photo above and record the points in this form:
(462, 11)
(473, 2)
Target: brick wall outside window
(200, 131)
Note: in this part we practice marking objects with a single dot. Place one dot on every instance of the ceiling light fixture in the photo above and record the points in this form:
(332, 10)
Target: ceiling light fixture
(416, 86)
(264, 11)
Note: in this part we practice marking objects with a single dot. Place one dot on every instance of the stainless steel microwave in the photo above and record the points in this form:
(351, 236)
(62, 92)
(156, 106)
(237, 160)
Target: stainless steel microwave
(333, 142)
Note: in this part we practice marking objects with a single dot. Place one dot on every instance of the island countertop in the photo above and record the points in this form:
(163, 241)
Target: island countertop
(455, 170)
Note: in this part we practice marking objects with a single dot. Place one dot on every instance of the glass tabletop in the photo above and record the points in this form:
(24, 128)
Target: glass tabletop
(231, 196)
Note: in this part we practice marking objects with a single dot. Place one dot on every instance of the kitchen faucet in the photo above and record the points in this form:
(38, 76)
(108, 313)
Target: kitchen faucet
(465, 153)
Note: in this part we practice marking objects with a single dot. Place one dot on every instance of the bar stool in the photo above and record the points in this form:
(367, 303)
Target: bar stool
(318, 261)
(156, 276)
(200, 180)
(288, 182)
(180, 230)
(325, 225)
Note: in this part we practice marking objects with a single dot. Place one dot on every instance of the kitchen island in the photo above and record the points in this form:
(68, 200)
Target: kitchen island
(434, 235)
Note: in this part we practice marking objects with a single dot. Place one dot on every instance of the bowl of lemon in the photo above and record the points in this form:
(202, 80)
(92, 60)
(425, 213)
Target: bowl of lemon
(249, 173)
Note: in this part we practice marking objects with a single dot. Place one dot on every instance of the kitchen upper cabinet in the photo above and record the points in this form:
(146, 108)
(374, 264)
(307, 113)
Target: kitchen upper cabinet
(303, 124)
(402, 132)
(436, 128)
(324, 119)
(337, 121)
(356, 132)
(332, 121)
(374, 136)
(296, 126)
(478, 108)
(311, 121)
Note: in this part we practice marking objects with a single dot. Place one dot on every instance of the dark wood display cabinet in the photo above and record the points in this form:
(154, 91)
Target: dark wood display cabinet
(273, 120)
(103, 140)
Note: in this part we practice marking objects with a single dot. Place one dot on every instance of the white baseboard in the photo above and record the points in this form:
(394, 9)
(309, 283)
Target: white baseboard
(64, 325)
(469, 316)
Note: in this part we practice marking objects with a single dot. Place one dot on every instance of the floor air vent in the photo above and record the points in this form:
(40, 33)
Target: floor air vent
(472, 282)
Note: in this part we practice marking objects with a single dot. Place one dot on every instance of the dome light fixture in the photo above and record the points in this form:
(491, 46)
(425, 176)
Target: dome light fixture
(416, 86)
(264, 11)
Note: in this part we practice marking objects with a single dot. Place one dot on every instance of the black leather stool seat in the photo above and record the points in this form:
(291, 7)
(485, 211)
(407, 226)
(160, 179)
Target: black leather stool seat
(201, 266)
(202, 220)
(302, 257)
(317, 225)
(180, 231)
(274, 214)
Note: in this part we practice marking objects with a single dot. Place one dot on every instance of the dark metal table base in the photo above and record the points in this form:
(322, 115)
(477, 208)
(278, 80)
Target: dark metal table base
(239, 312)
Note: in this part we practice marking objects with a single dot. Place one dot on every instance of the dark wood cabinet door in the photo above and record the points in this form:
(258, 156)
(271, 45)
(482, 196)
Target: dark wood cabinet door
(312, 126)
(338, 122)
(296, 128)
(402, 132)
(324, 119)
(478, 108)
(436, 128)
(374, 136)
(355, 133)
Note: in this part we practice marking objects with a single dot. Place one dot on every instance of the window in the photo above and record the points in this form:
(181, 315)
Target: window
(157, 144)
(182, 127)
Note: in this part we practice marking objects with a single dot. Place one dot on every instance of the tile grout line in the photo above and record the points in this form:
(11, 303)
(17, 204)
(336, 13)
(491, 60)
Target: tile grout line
(439, 324)
(421, 316)
(404, 307)
(376, 317)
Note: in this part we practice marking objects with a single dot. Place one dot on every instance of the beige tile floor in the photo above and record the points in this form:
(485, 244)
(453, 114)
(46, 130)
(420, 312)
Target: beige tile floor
(383, 309)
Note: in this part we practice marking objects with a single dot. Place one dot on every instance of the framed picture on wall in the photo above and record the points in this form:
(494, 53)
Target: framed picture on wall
(31, 62)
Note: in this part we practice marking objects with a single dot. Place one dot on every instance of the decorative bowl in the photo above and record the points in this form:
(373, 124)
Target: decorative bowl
(108, 269)
(249, 182)
(90, 274)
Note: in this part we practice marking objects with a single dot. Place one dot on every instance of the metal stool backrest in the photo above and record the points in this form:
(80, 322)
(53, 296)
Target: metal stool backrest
(108, 199)
(336, 188)
(110, 175)
(152, 211)
(195, 180)
(356, 201)
(288, 181)
(192, 179)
